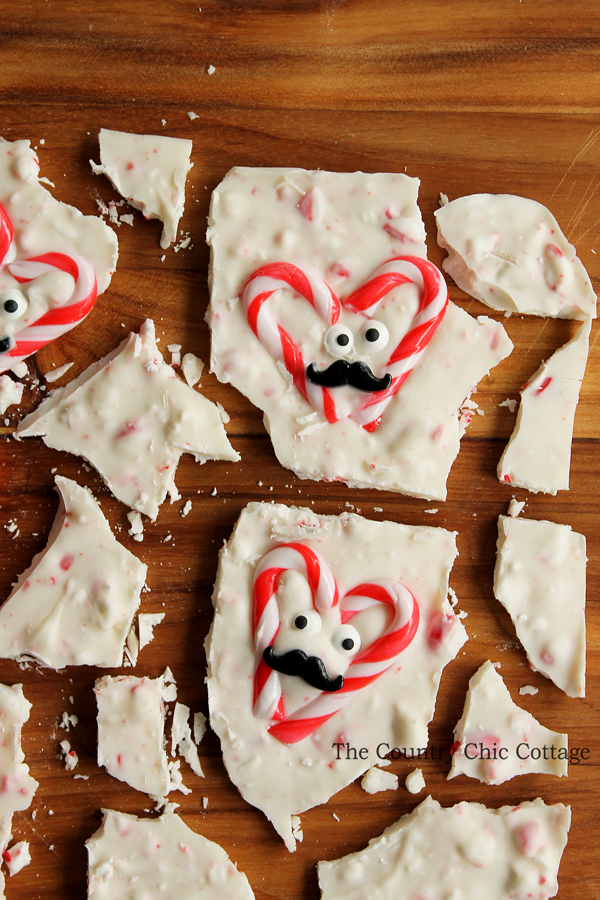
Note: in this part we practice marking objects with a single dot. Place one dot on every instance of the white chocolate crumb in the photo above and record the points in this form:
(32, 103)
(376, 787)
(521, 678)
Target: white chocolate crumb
(375, 781)
(70, 757)
(336, 817)
(297, 829)
(509, 404)
(528, 689)
(17, 856)
(55, 374)
(193, 115)
(415, 781)
(515, 507)
(210, 70)
(225, 417)
(67, 722)
(199, 726)
(204, 802)
(137, 525)
(191, 367)
(443, 199)
(186, 508)
(146, 624)
(431, 511)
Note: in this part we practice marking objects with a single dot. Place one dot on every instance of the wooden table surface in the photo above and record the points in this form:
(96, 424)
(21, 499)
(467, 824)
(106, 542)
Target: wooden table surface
(502, 96)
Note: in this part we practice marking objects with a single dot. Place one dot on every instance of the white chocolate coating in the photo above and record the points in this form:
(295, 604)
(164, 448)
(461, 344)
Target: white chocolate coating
(538, 454)
(149, 171)
(393, 711)
(44, 225)
(464, 852)
(356, 222)
(159, 859)
(131, 725)
(75, 604)
(18, 787)
(540, 580)
(498, 740)
(510, 253)
(132, 418)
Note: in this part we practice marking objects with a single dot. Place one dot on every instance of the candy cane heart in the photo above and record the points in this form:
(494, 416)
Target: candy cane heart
(370, 662)
(54, 322)
(318, 386)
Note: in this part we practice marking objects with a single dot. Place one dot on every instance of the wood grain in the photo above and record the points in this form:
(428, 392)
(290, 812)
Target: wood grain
(499, 97)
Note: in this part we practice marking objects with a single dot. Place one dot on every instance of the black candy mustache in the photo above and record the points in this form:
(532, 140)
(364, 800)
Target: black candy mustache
(356, 374)
(310, 668)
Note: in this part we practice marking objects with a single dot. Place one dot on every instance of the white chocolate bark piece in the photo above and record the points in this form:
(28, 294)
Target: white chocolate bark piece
(150, 172)
(284, 779)
(132, 418)
(11, 392)
(131, 726)
(465, 851)
(341, 227)
(18, 787)
(538, 454)
(75, 604)
(158, 859)
(54, 261)
(510, 253)
(495, 739)
(540, 580)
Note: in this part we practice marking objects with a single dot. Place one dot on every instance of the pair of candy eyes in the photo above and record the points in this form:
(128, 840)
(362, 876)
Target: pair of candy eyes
(12, 304)
(344, 639)
(339, 340)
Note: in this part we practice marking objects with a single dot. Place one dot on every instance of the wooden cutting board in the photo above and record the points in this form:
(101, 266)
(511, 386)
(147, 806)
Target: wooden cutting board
(469, 97)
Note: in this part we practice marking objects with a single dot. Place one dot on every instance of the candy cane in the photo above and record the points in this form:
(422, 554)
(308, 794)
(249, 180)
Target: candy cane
(56, 321)
(268, 702)
(367, 666)
(257, 290)
(433, 301)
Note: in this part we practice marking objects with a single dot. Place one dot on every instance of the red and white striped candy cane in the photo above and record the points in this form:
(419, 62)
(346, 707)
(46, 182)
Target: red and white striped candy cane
(368, 665)
(433, 301)
(268, 703)
(56, 321)
(257, 290)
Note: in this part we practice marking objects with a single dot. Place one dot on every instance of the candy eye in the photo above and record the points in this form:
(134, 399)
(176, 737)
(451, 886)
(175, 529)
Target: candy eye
(346, 639)
(12, 304)
(374, 335)
(339, 340)
(309, 622)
